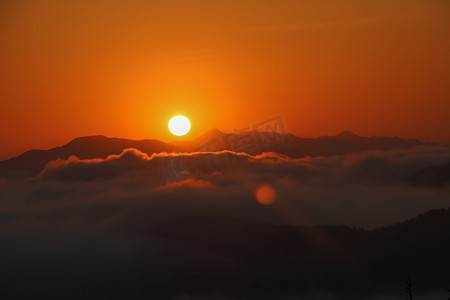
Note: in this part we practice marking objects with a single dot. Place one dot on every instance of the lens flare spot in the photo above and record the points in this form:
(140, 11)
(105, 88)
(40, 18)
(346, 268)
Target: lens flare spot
(265, 194)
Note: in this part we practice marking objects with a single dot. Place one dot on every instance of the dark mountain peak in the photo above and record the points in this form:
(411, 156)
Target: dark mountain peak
(101, 141)
(88, 139)
(208, 137)
(347, 134)
(212, 133)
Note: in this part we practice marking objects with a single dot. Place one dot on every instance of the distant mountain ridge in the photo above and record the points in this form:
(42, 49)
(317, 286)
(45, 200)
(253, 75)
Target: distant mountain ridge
(256, 142)
(32, 162)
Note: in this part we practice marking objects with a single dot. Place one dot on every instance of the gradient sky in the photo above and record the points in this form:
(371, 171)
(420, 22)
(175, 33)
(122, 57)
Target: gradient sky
(123, 68)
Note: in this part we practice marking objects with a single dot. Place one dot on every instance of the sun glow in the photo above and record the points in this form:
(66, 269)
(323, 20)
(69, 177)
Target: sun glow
(179, 125)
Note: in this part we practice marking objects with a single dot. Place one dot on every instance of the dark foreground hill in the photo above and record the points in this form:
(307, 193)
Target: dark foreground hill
(349, 263)
(197, 256)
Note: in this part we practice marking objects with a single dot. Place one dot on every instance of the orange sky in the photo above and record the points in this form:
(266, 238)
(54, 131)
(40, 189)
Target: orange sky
(123, 68)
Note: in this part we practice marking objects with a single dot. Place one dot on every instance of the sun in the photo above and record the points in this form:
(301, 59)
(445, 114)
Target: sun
(179, 125)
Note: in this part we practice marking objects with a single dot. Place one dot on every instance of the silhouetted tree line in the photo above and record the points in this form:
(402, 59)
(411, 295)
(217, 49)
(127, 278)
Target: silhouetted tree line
(210, 255)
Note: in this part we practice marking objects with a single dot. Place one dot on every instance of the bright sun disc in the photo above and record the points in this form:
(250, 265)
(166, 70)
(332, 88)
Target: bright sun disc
(179, 125)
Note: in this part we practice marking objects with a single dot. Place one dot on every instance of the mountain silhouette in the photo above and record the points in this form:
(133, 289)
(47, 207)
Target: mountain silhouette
(256, 142)
(32, 162)
(201, 143)
(347, 134)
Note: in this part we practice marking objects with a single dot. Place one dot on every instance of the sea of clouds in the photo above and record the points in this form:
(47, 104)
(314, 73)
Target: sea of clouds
(103, 212)
(367, 189)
